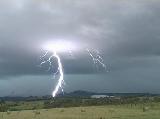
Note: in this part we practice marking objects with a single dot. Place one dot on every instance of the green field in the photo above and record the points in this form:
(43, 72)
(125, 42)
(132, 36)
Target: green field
(128, 111)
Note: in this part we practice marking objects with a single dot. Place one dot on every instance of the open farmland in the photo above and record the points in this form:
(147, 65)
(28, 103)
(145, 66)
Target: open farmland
(126, 111)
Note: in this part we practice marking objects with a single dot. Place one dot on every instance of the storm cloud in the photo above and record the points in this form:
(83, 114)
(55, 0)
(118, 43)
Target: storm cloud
(125, 32)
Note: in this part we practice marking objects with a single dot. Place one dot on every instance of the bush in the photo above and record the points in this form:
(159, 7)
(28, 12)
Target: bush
(3, 108)
(13, 109)
(145, 109)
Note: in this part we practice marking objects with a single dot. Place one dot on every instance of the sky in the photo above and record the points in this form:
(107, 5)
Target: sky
(125, 32)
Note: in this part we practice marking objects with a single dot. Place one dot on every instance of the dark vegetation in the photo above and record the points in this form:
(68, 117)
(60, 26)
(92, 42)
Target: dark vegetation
(3, 106)
(74, 100)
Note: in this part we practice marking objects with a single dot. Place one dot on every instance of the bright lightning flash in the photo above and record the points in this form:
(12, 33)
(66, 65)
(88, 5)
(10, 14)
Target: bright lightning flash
(96, 57)
(60, 46)
(61, 80)
(54, 48)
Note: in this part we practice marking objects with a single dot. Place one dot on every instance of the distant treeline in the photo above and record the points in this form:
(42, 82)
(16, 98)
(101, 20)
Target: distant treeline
(76, 94)
(76, 102)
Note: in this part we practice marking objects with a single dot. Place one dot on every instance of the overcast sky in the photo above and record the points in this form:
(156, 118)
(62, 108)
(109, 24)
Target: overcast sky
(126, 32)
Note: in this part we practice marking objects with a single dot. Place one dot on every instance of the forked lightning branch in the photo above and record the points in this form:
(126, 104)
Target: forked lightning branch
(67, 47)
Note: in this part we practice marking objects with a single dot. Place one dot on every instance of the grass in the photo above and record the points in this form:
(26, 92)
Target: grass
(24, 105)
(148, 111)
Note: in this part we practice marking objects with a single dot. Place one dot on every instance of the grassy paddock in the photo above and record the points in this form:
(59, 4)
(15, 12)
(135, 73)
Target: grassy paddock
(148, 111)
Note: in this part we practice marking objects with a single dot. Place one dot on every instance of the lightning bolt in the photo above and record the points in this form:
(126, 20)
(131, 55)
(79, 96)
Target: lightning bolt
(60, 80)
(59, 70)
(48, 58)
(97, 59)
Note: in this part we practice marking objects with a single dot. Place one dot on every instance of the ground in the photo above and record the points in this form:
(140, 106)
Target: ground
(128, 111)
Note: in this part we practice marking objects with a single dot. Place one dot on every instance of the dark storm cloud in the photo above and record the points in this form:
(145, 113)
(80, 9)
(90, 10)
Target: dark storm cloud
(125, 32)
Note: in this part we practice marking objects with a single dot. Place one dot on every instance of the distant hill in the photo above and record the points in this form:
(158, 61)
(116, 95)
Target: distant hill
(81, 93)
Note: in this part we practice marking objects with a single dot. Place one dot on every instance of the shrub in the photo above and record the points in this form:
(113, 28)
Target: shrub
(145, 109)
(62, 110)
(3, 108)
(82, 110)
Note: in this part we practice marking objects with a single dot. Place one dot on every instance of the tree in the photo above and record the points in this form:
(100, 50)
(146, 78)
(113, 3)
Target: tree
(3, 106)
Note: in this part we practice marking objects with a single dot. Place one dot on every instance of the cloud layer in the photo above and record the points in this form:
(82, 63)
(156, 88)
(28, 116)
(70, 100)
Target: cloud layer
(125, 32)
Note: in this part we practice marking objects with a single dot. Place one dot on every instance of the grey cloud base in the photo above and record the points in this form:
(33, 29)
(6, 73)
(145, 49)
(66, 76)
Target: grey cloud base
(125, 32)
